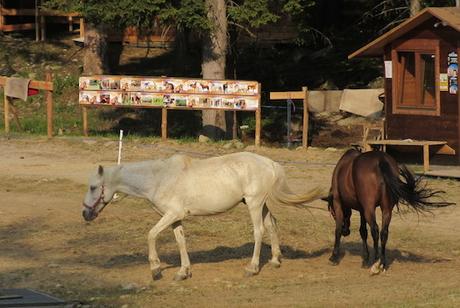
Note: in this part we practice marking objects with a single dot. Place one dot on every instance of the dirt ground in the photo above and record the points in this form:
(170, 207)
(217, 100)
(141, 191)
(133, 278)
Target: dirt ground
(46, 245)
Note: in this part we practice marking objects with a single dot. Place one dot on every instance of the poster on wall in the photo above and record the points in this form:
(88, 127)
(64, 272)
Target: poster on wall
(169, 92)
(452, 72)
(443, 82)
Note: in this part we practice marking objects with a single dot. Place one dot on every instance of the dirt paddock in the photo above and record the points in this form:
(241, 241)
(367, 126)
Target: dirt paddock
(46, 245)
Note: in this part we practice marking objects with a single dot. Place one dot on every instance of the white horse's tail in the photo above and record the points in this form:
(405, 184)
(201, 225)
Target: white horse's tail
(281, 194)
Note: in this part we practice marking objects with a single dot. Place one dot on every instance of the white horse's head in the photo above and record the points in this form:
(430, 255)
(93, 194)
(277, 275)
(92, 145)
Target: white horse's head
(99, 194)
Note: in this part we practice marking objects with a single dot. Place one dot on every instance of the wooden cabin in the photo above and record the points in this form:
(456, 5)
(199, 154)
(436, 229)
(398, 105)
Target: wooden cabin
(24, 15)
(21, 15)
(420, 58)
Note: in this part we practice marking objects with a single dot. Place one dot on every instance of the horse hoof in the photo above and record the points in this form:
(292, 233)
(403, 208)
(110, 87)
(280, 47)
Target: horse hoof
(181, 276)
(346, 232)
(333, 260)
(248, 274)
(251, 271)
(156, 274)
(377, 268)
(275, 264)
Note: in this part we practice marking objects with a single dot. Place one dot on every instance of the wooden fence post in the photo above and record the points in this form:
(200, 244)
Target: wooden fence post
(6, 112)
(305, 118)
(164, 124)
(49, 106)
(42, 28)
(258, 126)
(84, 110)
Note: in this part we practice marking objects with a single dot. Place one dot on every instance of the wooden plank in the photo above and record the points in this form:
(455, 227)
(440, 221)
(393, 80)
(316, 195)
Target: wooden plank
(18, 27)
(305, 117)
(31, 12)
(406, 142)
(287, 95)
(49, 107)
(34, 84)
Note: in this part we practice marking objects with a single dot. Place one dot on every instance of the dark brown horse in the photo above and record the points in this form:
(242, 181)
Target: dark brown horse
(364, 181)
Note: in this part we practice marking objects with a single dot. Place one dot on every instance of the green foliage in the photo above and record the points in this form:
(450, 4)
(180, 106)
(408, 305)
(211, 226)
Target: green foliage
(253, 13)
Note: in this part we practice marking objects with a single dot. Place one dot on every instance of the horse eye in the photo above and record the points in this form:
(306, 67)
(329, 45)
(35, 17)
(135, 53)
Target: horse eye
(92, 188)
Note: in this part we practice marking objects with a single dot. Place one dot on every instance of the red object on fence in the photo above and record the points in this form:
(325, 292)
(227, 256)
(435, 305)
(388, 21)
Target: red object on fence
(32, 92)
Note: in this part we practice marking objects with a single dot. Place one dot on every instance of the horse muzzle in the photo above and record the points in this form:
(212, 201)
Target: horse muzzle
(89, 215)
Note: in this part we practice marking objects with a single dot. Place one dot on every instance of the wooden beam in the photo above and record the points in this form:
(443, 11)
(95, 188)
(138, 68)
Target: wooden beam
(82, 28)
(305, 117)
(426, 158)
(31, 12)
(18, 27)
(287, 95)
(34, 84)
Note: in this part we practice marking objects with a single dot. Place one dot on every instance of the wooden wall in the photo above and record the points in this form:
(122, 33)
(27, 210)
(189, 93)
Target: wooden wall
(444, 127)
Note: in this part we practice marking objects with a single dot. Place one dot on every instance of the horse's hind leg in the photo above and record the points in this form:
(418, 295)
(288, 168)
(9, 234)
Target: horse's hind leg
(270, 224)
(363, 233)
(255, 206)
(370, 218)
(335, 257)
(184, 271)
(386, 219)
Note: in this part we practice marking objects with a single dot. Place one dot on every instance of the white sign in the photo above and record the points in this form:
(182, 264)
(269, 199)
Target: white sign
(388, 69)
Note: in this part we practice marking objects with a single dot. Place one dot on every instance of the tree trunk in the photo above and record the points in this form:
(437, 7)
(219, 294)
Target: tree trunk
(213, 63)
(415, 7)
(96, 60)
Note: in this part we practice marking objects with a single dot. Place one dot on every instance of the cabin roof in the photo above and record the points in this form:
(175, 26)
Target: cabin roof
(450, 16)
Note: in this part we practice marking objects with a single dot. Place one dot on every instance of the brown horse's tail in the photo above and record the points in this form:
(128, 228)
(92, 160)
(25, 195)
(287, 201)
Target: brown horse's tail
(281, 194)
(410, 190)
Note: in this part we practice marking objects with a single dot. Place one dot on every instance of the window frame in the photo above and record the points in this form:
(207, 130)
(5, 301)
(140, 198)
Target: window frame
(417, 47)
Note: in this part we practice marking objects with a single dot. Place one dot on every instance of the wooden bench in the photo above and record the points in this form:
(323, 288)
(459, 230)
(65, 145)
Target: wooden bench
(425, 144)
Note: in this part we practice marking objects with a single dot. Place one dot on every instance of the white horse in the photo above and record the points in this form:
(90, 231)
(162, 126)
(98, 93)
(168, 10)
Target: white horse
(181, 186)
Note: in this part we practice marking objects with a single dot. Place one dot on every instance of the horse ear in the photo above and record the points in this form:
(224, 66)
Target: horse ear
(100, 171)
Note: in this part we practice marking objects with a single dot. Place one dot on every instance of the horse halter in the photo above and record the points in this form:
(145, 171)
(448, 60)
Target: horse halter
(93, 206)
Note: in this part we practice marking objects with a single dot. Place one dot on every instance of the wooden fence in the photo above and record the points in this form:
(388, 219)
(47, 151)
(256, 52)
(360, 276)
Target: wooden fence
(47, 86)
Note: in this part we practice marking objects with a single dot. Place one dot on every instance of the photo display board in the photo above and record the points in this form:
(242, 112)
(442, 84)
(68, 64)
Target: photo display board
(169, 92)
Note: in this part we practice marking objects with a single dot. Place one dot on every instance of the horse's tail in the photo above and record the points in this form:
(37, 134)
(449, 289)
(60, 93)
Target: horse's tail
(281, 194)
(410, 191)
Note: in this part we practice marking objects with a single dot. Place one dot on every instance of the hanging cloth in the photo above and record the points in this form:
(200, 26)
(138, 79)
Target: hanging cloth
(17, 87)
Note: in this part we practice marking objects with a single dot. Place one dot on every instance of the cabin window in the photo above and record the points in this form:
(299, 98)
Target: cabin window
(415, 87)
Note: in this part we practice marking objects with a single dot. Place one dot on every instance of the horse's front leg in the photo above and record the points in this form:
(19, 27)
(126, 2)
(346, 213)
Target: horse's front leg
(184, 271)
(155, 267)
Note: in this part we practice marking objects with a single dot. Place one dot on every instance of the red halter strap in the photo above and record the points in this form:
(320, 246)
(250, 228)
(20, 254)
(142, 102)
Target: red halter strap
(101, 197)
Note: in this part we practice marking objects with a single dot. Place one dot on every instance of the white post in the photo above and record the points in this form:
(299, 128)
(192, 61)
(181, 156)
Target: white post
(120, 144)
(116, 197)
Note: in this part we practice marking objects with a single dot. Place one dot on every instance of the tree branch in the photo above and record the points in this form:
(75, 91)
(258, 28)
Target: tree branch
(251, 34)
